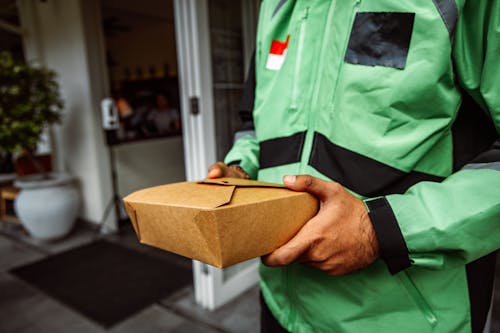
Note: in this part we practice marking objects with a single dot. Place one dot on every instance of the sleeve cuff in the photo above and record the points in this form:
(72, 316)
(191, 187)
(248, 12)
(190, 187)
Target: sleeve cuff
(237, 162)
(246, 165)
(393, 249)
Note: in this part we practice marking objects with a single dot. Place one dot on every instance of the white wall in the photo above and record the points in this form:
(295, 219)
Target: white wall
(149, 163)
(56, 38)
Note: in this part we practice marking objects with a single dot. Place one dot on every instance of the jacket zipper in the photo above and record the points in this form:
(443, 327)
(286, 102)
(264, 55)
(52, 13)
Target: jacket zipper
(417, 297)
(312, 117)
(298, 62)
(290, 282)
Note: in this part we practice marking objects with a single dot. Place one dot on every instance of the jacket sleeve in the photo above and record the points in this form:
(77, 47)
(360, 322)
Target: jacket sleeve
(245, 151)
(458, 220)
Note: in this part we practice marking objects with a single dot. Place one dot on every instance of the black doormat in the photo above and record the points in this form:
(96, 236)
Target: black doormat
(105, 282)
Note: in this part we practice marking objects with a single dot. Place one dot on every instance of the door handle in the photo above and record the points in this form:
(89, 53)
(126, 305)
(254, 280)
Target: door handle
(194, 105)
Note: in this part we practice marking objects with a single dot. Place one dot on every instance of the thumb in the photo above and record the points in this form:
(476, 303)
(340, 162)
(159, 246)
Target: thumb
(216, 170)
(305, 183)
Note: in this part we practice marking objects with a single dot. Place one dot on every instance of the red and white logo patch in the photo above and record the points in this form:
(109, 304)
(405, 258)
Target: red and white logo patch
(277, 54)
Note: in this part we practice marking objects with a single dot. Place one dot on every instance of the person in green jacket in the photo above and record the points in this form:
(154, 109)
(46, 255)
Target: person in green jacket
(388, 112)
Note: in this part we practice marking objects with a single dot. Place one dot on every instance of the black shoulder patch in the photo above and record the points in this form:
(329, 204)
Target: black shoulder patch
(449, 13)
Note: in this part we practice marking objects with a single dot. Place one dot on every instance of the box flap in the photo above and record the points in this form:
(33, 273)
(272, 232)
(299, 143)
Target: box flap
(181, 195)
(133, 219)
(238, 182)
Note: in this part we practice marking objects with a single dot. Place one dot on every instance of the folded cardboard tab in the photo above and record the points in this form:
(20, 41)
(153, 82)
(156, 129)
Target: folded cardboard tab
(219, 221)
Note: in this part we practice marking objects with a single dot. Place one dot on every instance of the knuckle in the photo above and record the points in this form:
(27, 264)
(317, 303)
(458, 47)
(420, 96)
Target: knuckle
(336, 270)
(308, 181)
(280, 261)
(318, 256)
(269, 260)
(335, 187)
(332, 272)
(317, 252)
(277, 258)
(217, 166)
(325, 267)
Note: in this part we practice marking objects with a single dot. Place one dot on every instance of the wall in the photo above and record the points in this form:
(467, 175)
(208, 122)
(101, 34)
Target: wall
(149, 163)
(56, 38)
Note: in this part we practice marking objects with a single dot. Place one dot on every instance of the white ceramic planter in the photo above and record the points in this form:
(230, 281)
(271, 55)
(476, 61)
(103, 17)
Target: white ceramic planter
(47, 208)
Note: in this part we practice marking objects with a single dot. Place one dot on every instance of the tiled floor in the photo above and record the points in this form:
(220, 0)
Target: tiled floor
(24, 309)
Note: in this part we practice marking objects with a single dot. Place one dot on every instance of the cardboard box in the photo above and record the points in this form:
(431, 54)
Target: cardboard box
(219, 222)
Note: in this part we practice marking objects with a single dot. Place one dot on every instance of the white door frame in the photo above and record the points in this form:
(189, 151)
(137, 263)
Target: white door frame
(195, 84)
(212, 287)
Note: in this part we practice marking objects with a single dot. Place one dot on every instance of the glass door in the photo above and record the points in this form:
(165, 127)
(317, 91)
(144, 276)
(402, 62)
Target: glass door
(215, 41)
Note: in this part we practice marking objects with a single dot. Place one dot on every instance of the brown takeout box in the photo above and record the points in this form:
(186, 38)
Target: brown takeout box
(221, 221)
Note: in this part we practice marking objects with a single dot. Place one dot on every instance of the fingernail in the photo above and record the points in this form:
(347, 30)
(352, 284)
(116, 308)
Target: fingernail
(289, 179)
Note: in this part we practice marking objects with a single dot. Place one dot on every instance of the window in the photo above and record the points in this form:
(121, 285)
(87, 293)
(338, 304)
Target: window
(142, 67)
(10, 30)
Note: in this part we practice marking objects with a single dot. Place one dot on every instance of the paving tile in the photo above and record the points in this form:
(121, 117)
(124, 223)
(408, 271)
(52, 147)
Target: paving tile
(241, 315)
(158, 319)
(13, 254)
(151, 319)
(23, 309)
(80, 235)
(193, 327)
(128, 238)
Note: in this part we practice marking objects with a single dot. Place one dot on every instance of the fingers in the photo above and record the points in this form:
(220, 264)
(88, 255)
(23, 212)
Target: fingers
(291, 251)
(315, 186)
(219, 170)
(216, 170)
(339, 240)
(238, 172)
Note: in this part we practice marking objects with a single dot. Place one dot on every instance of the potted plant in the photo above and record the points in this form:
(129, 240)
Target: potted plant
(29, 104)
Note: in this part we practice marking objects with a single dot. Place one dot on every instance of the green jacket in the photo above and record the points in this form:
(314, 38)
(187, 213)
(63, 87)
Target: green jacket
(374, 94)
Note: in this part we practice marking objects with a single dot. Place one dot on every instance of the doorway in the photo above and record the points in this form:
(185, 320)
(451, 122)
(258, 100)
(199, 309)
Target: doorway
(215, 41)
(196, 54)
(141, 62)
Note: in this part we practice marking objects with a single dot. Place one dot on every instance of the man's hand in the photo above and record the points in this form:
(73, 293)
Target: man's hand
(220, 169)
(339, 240)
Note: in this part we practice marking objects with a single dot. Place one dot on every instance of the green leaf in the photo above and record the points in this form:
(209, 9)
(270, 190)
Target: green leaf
(29, 102)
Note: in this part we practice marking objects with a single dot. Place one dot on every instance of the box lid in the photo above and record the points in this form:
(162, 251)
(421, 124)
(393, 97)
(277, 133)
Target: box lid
(210, 193)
